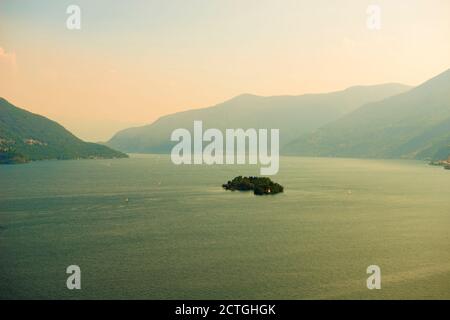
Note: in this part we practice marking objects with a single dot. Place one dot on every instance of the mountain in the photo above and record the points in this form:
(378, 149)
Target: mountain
(414, 124)
(293, 115)
(25, 136)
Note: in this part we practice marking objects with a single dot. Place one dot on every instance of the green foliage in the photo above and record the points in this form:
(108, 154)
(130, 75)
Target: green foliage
(259, 185)
(9, 157)
(25, 136)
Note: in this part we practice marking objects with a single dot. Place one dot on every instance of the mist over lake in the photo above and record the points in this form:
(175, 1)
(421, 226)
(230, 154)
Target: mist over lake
(181, 236)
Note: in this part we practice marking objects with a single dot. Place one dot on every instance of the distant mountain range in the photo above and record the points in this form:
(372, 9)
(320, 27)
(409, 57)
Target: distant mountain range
(382, 121)
(293, 115)
(25, 136)
(414, 125)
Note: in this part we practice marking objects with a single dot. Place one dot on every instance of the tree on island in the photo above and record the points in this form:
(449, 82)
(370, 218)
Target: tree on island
(259, 185)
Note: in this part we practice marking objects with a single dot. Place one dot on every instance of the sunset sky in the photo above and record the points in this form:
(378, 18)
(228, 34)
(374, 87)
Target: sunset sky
(133, 61)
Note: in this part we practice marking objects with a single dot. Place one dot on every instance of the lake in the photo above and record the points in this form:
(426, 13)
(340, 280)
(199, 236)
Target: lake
(181, 236)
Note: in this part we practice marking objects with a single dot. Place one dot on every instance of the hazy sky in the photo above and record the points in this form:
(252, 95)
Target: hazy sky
(133, 61)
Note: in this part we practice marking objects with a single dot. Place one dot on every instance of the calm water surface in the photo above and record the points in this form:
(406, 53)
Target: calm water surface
(180, 236)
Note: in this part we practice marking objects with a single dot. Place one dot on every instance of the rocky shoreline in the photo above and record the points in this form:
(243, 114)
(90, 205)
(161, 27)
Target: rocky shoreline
(442, 163)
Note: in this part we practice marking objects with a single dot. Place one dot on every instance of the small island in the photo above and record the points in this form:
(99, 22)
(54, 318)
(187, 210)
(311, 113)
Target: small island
(259, 185)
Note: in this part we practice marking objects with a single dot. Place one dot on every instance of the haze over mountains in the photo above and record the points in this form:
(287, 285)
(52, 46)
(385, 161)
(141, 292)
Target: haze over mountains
(25, 136)
(293, 115)
(413, 125)
(382, 121)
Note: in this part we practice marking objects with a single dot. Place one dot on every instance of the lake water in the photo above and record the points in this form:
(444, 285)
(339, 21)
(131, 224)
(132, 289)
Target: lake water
(181, 236)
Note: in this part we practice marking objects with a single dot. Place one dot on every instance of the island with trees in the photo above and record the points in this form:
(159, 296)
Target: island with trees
(259, 185)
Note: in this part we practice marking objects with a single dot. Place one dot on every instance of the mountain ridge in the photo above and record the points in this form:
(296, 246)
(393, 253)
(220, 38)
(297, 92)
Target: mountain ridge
(290, 113)
(26, 136)
(412, 125)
